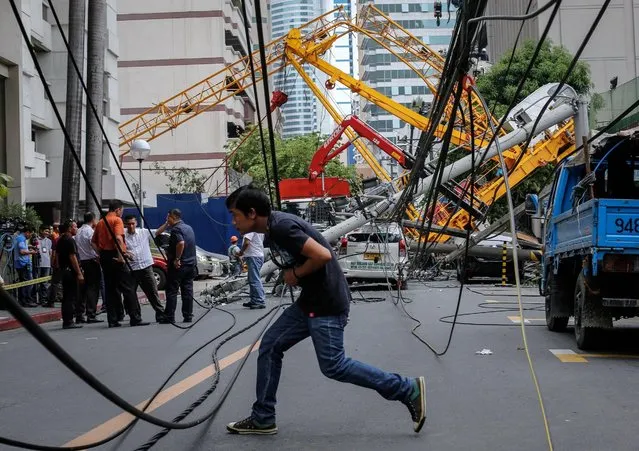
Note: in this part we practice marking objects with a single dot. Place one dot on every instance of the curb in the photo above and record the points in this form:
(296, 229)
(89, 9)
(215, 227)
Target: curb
(44, 317)
(56, 315)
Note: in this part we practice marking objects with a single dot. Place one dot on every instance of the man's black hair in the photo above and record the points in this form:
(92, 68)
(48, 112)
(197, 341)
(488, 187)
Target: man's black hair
(43, 227)
(66, 225)
(27, 228)
(115, 204)
(248, 197)
(127, 218)
(88, 217)
(176, 213)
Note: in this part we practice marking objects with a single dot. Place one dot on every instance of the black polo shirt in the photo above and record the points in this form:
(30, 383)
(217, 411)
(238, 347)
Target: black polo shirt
(182, 232)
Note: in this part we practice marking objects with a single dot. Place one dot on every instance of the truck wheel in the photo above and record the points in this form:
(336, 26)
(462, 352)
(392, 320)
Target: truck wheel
(553, 322)
(586, 337)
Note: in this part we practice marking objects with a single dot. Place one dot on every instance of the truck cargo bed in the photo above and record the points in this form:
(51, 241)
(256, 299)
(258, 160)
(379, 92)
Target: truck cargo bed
(598, 223)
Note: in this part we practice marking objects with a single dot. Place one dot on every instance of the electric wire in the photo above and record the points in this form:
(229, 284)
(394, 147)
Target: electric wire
(255, 94)
(116, 434)
(562, 83)
(270, 315)
(515, 18)
(513, 231)
(269, 118)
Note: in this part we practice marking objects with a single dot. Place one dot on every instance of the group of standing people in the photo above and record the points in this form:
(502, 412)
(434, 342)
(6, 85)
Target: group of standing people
(105, 257)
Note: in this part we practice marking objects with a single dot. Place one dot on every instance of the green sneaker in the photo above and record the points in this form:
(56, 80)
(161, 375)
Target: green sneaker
(248, 426)
(417, 403)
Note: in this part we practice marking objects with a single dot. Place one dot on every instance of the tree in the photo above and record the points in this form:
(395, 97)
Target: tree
(182, 180)
(294, 156)
(70, 171)
(96, 38)
(499, 84)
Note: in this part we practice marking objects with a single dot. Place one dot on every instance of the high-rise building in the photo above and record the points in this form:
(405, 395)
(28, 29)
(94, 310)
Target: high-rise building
(31, 140)
(382, 71)
(301, 114)
(170, 45)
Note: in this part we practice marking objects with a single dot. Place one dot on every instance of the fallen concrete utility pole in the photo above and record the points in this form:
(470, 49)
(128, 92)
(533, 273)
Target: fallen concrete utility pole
(485, 251)
(553, 117)
(449, 231)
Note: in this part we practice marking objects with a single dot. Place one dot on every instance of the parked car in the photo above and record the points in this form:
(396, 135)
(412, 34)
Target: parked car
(374, 253)
(489, 267)
(207, 264)
(159, 271)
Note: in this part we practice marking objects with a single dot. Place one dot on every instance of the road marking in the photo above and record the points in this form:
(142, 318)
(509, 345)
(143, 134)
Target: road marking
(116, 423)
(4, 343)
(517, 319)
(568, 356)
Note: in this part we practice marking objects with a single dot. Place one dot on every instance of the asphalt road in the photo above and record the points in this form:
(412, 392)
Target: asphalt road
(476, 402)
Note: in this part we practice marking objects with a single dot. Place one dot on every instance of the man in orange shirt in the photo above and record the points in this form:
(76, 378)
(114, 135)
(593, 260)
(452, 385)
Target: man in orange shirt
(118, 281)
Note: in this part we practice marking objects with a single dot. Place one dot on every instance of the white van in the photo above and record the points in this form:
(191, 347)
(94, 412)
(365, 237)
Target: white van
(374, 253)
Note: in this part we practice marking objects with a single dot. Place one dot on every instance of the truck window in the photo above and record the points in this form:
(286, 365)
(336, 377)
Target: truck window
(618, 179)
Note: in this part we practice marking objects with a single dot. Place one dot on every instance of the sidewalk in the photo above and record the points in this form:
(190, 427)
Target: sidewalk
(46, 315)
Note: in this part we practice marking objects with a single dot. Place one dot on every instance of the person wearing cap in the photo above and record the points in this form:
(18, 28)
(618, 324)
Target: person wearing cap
(234, 258)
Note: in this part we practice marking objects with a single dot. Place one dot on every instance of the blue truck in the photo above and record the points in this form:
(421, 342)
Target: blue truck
(590, 264)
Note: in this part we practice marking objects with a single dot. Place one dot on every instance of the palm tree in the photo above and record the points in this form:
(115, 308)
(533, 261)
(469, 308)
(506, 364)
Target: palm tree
(95, 84)
(73, 120)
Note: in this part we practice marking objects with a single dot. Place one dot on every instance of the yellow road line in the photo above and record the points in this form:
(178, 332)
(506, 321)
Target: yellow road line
(109, 427)
(568, 356)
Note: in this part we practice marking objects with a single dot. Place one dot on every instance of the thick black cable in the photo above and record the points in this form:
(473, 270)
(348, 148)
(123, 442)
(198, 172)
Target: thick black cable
(76, 157)
(522, 82)
(95, 113)
(515, 18)
(255, 94)
(269, 118)
(10, 442)
(467, 247)
(67, 360)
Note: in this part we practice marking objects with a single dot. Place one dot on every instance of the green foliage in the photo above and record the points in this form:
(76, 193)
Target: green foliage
(182, 180)
(498, 85)
(18, 211)
(4, 185)
(294, 156)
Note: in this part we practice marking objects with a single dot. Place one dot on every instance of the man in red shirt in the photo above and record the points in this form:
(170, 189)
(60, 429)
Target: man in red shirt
(118, 281)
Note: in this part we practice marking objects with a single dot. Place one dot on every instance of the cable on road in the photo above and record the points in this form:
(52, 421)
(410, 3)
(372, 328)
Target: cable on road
(40, 335)
(113, 436)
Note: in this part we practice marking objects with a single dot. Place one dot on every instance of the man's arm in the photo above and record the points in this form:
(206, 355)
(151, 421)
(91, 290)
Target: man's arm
(160, 230)
(317, 256)
(179, 248)
(245, 244)
(76, 267)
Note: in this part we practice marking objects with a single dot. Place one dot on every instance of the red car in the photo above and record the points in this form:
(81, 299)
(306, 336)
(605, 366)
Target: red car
(159, 271)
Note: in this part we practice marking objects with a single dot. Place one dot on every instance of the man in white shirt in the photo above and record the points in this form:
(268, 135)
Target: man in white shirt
(141, 261)
(253, 253)
(90, 264)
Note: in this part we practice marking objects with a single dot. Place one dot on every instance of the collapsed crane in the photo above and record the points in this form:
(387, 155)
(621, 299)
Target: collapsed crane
(306, 45)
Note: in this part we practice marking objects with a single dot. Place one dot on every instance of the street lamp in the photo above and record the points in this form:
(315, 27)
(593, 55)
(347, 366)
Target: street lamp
(140, 150)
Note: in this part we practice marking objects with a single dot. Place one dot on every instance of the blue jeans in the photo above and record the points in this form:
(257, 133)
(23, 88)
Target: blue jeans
(256, 290)
(327, 333)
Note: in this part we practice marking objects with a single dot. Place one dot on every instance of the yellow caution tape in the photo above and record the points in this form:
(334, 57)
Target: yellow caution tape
(13, 286)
